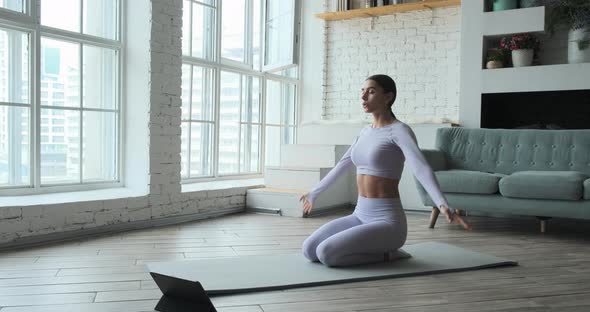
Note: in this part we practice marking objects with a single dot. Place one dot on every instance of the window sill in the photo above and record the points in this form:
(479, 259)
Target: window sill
(221, 185)
(69, 197)
(117, 193)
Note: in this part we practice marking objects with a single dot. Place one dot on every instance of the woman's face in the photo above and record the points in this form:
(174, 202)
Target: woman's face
(374, 99)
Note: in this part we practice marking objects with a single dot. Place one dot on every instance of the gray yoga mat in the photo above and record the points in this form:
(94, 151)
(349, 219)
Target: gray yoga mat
(257, 273)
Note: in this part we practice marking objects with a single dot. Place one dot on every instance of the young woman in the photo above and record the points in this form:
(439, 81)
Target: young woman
(377, 228)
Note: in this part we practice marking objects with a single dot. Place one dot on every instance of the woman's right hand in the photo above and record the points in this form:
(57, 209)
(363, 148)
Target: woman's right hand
(307, 205)
(453, 217)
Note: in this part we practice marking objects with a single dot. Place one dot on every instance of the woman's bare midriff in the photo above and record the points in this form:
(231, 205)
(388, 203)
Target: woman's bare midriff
(377, 187)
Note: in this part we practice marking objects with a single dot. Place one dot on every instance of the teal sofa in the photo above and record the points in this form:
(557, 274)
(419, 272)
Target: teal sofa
(541, 173)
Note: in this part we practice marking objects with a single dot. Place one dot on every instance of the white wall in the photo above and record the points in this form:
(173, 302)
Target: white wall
(419, 49)
(311, 62)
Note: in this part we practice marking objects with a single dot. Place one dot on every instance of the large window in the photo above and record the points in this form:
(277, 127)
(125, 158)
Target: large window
(227, 84)
(59, 65)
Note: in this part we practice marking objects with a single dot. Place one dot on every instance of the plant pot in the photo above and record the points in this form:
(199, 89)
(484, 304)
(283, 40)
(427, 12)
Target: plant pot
(494, 64)
(500, 5)
(578, 50)
(522, 57)
(529, 3)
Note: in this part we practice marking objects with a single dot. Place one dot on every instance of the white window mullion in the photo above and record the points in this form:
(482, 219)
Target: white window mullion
(190, 121)
(81, 6)
(14, 90)
(35, 57)
(248, 19)
(262, 145)
(241, 86)
(217, 107)
(81, 124)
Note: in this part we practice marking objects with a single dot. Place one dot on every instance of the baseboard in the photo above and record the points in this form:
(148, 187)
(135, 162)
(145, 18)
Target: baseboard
(270, 211)
(43, 239)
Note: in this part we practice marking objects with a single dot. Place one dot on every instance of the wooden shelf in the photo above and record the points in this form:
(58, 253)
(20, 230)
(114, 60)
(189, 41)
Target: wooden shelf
(388, 9)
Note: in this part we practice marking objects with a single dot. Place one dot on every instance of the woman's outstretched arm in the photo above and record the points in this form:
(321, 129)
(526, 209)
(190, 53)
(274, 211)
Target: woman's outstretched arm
(406, 140)
(341, 167)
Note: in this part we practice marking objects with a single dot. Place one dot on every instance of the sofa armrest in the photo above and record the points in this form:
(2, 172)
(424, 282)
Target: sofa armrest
(436, 159)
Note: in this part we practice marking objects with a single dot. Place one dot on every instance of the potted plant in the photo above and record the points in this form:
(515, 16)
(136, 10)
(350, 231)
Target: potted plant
(522, 47)
(495, 59)
(575, 15)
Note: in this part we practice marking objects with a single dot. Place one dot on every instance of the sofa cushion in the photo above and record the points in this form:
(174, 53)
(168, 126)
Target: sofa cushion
(564, 185)
(467, 181)
(587, 189)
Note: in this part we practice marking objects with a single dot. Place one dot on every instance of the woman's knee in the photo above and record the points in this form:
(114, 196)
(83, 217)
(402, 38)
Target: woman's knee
(309, 250)
(327, 254)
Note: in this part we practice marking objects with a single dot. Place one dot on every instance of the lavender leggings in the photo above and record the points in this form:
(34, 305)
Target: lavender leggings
(376, 227)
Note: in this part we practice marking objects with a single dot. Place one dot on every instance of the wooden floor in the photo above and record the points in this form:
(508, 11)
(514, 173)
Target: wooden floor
(107, 273)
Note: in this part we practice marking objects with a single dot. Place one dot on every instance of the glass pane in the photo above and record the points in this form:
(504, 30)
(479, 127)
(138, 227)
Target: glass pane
(273, 102)
(279, 33)
(101, 18)
(100, 78)
(288, 101)
(233, 27)
(273, 146)
(60, 152)
(288, 135)
(14, 5)
(14, 146)
(184, 157)
(100, 146)
(202, 32)
(60, 73)
(290, 72)
(257, 35)
(229, 140)
(14, 66)
(186, 91)
(230, 97)
(249, 148)
(186, 27)
(62, 14)
(201, 149)
(250, 99)
(202, 94)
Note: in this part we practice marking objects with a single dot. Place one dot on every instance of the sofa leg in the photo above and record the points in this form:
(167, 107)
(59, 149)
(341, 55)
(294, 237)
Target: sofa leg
(433, 217)
(543, 222)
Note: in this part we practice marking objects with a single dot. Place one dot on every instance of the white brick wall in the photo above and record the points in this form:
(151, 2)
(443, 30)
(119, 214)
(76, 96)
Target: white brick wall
(419, 50)
(165, 198)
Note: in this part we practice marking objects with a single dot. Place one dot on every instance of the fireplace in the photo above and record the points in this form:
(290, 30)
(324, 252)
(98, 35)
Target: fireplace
(536, 110)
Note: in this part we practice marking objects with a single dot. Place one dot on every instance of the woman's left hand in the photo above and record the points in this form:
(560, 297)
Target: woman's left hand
(453, 217)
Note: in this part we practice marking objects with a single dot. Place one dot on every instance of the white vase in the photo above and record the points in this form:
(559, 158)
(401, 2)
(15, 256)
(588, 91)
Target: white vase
(522, 57)
(574, 53)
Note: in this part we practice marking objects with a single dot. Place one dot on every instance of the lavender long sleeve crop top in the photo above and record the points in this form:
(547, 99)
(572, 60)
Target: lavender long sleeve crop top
(381, 152)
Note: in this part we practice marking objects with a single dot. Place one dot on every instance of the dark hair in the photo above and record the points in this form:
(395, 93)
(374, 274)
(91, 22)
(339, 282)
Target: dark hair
(388, 85)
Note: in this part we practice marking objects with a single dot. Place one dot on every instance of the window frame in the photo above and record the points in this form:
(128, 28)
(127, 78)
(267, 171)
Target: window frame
(296, 24)
(220, 64)
(30, 22)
